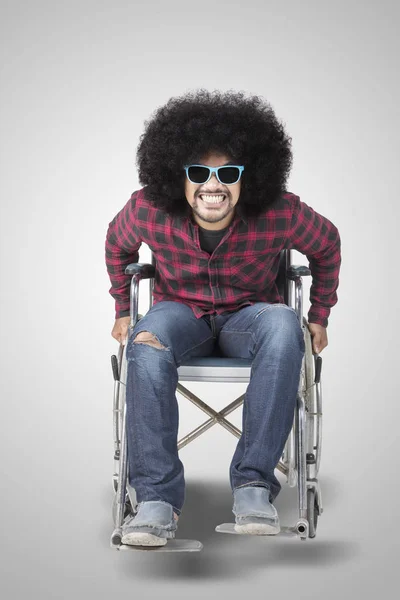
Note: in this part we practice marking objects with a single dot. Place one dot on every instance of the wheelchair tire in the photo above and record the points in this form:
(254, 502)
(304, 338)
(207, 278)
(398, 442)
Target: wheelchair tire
(313, 423)
(122, 370)
(312, 512)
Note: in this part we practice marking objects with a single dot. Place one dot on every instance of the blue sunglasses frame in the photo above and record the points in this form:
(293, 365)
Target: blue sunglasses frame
(215, 170)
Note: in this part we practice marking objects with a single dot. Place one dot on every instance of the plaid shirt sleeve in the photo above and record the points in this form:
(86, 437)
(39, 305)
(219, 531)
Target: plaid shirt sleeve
(318, 238)
(122, 248)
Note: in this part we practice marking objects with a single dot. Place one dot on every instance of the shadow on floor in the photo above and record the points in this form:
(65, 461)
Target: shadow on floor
(208, 504)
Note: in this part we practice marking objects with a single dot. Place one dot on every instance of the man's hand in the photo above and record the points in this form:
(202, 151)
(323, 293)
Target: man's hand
(120, 329)
(319, 337)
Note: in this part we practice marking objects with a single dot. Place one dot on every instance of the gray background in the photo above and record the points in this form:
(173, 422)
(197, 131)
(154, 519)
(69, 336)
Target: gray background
(78, 80)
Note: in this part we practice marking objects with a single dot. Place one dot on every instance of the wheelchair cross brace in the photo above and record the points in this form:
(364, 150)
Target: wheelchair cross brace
(216, 417)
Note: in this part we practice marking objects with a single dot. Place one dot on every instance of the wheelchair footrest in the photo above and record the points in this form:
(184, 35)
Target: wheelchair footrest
(230, 528)
(173, 545)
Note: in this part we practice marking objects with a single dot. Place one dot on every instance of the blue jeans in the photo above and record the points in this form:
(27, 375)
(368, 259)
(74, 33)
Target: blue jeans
(269, 334)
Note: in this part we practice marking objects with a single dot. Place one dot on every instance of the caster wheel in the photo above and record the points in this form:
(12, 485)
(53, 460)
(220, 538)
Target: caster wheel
(312, 513)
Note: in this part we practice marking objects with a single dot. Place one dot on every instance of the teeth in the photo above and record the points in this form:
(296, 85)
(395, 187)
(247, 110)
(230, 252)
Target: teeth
(212, 199)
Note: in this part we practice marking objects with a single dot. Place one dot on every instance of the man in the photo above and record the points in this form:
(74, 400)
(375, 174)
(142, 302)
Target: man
(216, 214)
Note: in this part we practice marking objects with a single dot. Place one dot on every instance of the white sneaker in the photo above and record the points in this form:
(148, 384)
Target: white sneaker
(254, 513)
(152, 525)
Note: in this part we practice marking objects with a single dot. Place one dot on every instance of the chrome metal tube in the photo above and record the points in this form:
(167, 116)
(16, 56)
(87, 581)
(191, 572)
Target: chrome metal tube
(151, 287)
(208, 424)
(301, 457)
(318, 392)
(121, 491)
(299, 299)
(134, 295)
(209, 411)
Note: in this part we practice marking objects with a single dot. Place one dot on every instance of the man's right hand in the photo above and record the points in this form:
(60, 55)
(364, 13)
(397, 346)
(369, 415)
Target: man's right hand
(120, 329)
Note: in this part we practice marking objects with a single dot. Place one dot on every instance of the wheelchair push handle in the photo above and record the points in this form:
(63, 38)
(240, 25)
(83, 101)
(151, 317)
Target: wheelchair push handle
(318, 367)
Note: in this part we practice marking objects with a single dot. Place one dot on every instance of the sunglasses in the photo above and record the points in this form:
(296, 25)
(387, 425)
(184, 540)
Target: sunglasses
(228, 175)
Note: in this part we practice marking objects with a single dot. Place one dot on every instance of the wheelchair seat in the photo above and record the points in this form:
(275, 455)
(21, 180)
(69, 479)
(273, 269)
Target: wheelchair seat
(216, 368)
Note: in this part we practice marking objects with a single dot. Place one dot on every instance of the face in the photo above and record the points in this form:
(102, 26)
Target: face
(213, 215)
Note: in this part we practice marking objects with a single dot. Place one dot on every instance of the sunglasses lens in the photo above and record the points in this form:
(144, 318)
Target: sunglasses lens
(229, 174)
(198, 174)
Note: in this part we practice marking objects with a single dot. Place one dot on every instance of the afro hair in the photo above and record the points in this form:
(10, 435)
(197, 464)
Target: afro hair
(190, 126)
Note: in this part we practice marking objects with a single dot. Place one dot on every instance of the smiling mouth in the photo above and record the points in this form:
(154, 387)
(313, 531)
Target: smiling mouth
(212, 199)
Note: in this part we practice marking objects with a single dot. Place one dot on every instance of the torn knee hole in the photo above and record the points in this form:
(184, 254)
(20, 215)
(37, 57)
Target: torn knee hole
(147, 338)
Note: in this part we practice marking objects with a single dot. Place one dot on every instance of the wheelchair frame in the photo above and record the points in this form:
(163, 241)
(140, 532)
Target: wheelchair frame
(302, 452)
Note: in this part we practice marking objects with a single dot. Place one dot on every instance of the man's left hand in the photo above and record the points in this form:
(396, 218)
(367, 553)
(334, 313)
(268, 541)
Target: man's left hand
(319, 337)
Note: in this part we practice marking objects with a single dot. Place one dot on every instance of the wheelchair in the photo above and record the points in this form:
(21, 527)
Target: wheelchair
(301, 456)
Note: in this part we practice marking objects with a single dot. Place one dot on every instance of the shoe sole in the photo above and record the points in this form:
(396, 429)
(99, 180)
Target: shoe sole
(258, 529)
(143, 539)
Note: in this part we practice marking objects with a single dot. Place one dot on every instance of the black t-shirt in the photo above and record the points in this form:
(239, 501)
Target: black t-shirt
(209, 239)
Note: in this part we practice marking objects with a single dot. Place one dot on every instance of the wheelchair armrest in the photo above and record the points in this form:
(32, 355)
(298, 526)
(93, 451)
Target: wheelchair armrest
(297, 271)
(145, 271)
(138, 271)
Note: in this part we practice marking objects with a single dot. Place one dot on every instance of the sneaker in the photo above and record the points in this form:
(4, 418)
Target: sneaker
(152, 525)
(254, 513)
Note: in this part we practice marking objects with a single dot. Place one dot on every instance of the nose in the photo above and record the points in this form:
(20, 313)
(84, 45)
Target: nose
(213, 184)
(213, 179)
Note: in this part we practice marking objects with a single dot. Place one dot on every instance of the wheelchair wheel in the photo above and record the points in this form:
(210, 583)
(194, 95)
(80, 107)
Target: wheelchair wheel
(289, 456)
(119, 402)
(313, 408)
(312, 512)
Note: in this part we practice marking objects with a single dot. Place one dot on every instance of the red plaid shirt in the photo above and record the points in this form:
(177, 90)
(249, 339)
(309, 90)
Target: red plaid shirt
(241, 270)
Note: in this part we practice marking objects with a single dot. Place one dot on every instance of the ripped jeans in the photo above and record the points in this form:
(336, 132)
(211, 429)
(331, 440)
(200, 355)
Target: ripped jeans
(269, 334)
